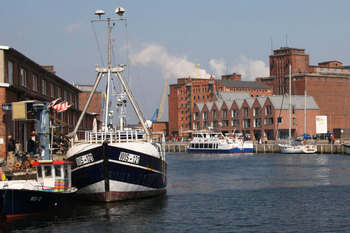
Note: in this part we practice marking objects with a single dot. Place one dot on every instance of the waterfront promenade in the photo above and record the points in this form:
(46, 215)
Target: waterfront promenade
(270, 147)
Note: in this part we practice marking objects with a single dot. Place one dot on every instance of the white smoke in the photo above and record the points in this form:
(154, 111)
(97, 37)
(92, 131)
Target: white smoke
(171, 66)
(180, 67)
(249, 69)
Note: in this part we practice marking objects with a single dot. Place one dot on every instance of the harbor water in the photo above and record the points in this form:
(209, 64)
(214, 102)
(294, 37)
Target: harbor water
(222, 193)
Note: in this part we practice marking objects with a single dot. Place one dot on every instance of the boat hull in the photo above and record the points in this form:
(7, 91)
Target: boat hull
(18, 203)
(297, 149)
(346, 148)
(232, 150)
(121, 171)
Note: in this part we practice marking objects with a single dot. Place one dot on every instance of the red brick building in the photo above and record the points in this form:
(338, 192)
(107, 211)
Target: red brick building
(189, 91)
(257, 116)
(328, 83)
(96, 101)
(23, 79)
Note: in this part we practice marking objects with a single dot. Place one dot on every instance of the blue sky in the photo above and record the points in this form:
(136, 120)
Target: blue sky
(164, 40)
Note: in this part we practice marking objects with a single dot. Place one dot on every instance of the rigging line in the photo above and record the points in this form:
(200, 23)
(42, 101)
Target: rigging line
(113, 55)
(98, 44)
(279, 117)
(127, 49)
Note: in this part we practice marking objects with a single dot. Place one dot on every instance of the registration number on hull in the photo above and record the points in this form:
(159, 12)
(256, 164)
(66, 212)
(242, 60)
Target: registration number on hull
(129, 158)
(84, 159)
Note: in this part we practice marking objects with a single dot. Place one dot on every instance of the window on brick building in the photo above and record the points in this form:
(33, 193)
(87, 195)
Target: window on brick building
(215, 115)
(35, 82)
(246, 123)
(245, 112)
(224, 113)
(256, 111)
(205, 115)
(235, 113)
(279, 120)
(23, 77)
(10, 72)
(257, 123)
(52, 90)
(224, 123)
(59, 92)
(43, 86)
(268, 121)
(268, 110)
(235, 123)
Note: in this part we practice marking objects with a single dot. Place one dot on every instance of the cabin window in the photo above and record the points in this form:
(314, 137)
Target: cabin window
(47, 170)
(205, 145)
(39, 171)
(210, 146)
(66, 171)
(200, 145)
(58, 171)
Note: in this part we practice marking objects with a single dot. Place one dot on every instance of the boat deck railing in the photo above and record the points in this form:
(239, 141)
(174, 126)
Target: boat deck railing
(114, 136)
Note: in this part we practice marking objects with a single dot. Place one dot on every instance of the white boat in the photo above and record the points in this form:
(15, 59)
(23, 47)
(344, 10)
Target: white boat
(51, 191)
(210, 142)
(346, 148)
(110, 164)
(295, 147)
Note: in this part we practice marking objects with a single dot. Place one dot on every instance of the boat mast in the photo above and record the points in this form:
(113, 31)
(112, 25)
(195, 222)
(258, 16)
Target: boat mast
(290, 103)
(305, 105)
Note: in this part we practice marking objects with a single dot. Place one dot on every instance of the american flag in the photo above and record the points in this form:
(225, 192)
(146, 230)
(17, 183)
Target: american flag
(61, 107)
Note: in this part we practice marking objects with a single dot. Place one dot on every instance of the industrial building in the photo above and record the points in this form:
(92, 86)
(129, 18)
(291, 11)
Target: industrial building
(257, 116)
(189, 91)
(328, 83)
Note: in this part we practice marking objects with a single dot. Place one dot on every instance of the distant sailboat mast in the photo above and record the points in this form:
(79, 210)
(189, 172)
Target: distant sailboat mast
(290, 103)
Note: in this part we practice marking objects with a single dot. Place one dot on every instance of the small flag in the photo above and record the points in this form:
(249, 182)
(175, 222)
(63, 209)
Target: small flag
(3, 177)
(54, 102)
(62, 107)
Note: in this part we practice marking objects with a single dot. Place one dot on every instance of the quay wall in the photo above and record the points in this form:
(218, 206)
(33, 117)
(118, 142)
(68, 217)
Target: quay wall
(270, 147)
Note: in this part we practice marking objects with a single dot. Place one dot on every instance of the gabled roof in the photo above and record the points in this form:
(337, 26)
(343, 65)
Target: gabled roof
(239, 102)
(200, 106)
(218, 103)
(261, 100)
(228, 103)
(281, 102)
(209, 105)
(250, 102)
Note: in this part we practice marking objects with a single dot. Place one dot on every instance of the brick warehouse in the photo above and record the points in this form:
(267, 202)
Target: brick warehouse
(189, 91)
(240, 113)
(23, 79)
(328, 83)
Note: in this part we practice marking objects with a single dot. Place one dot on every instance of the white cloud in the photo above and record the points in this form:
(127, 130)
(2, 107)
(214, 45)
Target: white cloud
(248, 68)
(72, 28)
(171, 66)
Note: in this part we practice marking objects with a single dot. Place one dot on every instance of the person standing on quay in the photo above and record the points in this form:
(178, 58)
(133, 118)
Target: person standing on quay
(10, 151)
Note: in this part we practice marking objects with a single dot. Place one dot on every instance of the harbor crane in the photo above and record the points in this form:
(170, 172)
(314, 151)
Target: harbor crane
(157, 115)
